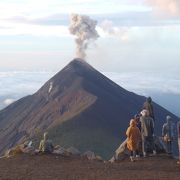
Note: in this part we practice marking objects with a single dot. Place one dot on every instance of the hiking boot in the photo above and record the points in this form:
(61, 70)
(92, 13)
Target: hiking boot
(137, 157)
(154, 152)
(144, 154)
(131, 158)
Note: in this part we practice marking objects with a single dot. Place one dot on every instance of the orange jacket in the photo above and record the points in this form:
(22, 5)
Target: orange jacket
(133, 136)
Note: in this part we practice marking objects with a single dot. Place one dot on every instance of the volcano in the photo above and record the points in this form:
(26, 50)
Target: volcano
(79, 107)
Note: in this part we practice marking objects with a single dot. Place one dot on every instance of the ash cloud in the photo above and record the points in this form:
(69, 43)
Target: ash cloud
(121, 32)
(84, 28)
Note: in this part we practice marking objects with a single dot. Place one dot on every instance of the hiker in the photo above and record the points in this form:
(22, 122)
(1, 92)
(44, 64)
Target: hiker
(27, 147)
(168, 134)
(133, 139)
(178, 132)
(46, 145)
(137, 120)
(147, 132)
(149, 107)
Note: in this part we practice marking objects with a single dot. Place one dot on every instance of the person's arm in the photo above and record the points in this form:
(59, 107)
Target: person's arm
(152, 109)
(128, 132)
(142, 125)
(152, 126)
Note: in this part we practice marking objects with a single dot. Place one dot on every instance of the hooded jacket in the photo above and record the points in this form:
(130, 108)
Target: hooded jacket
(168, 128)
(133, 136)
(147, 126)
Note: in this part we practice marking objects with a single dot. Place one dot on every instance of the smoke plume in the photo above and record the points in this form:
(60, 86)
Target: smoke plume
(84, 28)
(119, 32)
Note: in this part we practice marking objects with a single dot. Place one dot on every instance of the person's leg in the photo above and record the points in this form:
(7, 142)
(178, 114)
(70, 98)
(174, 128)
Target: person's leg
(144, 146)
(179, 146)
(153, 145)
(131, 156)
(137, 153)
(168, 147)
(178, 162)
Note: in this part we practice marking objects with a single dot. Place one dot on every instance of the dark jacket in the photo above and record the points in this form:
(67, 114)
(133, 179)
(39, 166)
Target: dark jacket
(149, 107)
(147, 126)
(168, 128)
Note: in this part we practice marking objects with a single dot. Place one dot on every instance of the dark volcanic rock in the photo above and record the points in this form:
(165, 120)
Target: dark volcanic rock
(79, 107)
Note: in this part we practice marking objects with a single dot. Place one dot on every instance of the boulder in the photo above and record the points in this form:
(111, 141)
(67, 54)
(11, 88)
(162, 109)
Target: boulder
(73, 151)
(89, 155)
(92, 156)
(122, 152)
(60, 150)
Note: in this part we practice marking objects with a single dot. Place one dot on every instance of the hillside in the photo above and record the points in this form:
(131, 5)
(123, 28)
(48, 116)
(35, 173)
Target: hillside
(74, 168)
(79, 107)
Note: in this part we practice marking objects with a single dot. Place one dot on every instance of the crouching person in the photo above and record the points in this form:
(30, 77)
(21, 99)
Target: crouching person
(46, 145)
(133, 138)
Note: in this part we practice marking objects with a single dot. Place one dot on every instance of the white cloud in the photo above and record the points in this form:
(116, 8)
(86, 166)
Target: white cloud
(120, 32)
(15, 85)
(165, 7)
(12, 28)
(146, 83)
(8, 101)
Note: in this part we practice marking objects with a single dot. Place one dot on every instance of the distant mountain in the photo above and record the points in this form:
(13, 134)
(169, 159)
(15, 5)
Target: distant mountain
(79, 107)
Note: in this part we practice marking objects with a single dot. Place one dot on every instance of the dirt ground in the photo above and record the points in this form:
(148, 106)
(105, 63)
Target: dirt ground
(42, 167)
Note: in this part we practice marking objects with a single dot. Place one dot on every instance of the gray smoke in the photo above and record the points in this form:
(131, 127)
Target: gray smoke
(120, 32)
(84, 28)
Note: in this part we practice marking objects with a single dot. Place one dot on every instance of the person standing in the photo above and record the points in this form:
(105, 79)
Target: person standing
(147, 132)
(137, 120)
(149, 107)
(133, 139)
(168, 134)
(178, 131)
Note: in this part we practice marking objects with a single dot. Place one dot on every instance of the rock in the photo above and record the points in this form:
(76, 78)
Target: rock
(60, 151)
(90, 155)
(122, 152)
(160, 147)
(99, 158)
(73, 151)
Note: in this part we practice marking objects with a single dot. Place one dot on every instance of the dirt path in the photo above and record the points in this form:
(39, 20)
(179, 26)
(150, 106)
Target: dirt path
(73, 168)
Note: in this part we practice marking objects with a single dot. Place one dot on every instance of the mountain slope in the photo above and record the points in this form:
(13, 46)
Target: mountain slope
(79, 107)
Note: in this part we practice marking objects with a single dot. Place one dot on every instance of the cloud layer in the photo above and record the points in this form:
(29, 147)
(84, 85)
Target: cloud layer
(15, 85)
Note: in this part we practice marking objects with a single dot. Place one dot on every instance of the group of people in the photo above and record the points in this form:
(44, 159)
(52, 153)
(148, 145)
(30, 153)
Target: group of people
(140, 133)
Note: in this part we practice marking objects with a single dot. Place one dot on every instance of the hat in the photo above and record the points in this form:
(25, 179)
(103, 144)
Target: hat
(132, 122)
(144, 112)
(168, 117)
(149, 99)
